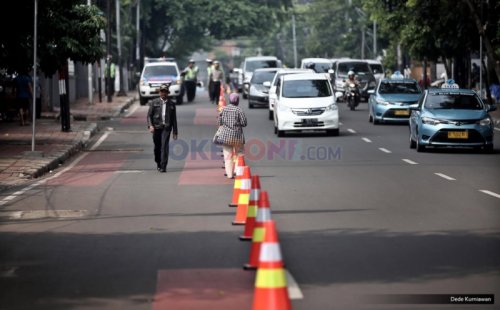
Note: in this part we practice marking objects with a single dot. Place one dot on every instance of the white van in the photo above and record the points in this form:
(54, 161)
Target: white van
(251, 63)
(377, 69)
(305, 101)
(319, 65)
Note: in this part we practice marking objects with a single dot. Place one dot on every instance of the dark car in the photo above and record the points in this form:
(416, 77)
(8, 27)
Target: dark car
(258, 94)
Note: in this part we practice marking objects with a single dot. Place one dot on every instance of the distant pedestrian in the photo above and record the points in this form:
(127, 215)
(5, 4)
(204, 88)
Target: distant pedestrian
(407, 72)
(162, 122)
(109, 74)
(217, 78)
(232, 119)
(210, 85)
(190, 77)
(23, 91)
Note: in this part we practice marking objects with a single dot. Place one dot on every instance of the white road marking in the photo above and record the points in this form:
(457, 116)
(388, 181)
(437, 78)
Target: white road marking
(294, 291)
(31, 186)
(129, 171)
(367, 140)
(497, 129)
(490, 193)
(132, 110)
(411, 162)
(384, 150)
(351, 130)
(444, 176)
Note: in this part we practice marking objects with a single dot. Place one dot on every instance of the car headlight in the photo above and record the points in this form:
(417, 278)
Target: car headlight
(433, 121)
(332, 107)
(284, 108)
(382, 102)
(485, 122)
(143, 82)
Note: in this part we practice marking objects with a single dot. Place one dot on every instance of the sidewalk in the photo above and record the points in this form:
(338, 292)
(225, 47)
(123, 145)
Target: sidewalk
(52, 146)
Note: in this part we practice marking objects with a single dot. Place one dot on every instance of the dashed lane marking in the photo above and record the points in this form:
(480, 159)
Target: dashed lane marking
(411, 162)
(487, 192)
(351, 130)
(444, 176)
(294, 291)
(384, 150)
(366, 140)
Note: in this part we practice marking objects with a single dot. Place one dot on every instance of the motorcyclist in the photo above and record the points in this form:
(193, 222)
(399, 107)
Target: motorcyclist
(351, 79)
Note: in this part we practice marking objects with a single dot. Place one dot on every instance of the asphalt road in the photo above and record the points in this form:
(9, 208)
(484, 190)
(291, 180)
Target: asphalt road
(359, 216)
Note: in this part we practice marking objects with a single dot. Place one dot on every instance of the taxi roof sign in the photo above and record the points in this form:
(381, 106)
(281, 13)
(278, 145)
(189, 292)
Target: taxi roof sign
(450, 84)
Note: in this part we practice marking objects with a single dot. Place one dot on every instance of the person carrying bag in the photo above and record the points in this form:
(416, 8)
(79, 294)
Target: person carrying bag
(230, 133)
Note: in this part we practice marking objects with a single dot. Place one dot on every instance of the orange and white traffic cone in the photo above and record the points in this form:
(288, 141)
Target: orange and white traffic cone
(271, 290)
(222, 99)
(238, 172)
(244, 198)
(253, 205)
(263, 216)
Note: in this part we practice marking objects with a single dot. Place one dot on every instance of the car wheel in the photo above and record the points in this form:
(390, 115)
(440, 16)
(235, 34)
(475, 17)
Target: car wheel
(413, 144)
(143, 101)
(179, 100)
(420, 147)
(333, 132)
(271, 115)
(370, 118)
(281, 133)
(488, 149)
(245, 96)
(250, 106)
(275, 130)
(375, 121)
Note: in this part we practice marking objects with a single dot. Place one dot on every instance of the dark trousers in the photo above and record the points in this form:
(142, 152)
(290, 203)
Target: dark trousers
(211, 90)
(190, 90)
(216, 92)
(161, 139)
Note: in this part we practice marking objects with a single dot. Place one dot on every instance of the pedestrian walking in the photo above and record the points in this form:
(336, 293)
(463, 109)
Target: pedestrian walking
(109, 74)
(210, 85)
(232, 119)
(190, 77)
(23, 92)
(162, 122)
(217, 78)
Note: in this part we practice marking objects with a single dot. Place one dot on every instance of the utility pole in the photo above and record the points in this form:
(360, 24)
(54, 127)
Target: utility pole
(89, 68)
(294, 42)
(121, 91)
(35, 84)
(107, 72)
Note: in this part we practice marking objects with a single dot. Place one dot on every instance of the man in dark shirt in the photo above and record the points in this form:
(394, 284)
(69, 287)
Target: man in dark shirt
(162, 121)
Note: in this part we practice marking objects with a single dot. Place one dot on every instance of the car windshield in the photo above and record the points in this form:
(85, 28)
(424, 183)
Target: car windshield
(319, 67)
(259, 77)
(306, 88)
(357, 67)
(159, 70)
(376, 68)
(398, 88)
(453, 101)
(257, 64)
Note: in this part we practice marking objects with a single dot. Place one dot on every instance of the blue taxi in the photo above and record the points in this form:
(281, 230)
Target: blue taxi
(391, 99)
(451, 117)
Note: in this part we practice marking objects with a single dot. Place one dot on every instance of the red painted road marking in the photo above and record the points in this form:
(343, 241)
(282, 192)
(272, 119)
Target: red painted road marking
(206, 116)
(93, 170)
(203, 171)
(193, 289)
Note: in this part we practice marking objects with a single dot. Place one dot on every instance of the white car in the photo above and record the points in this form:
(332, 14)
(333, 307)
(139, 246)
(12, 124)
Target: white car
(272, 86)
(157, 73)
(305, 101)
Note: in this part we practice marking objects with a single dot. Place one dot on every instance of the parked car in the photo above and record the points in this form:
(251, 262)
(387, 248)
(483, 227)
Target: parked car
(251, 63)
(305, 101)
(272, 86)
(156, 73)
(451, 117)
(259, 93)
(391, 99)
(377, 69)
(363, 74)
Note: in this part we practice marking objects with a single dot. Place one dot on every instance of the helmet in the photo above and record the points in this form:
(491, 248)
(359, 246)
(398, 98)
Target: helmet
(350, 73)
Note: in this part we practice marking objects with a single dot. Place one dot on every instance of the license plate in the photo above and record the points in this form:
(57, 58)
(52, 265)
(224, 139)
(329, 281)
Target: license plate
(309, 121)
(458, 135)
(402, 112)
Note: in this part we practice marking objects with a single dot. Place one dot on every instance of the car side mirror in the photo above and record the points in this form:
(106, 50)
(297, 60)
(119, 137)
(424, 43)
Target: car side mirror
(331, 71)
(491, 107)
(267, 84)
(414, 107)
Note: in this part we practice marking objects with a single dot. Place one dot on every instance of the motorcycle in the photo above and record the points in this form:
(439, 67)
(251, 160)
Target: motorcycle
(352, 96)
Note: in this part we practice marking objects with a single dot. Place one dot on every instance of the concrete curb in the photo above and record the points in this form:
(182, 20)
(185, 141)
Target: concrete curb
(46, 164)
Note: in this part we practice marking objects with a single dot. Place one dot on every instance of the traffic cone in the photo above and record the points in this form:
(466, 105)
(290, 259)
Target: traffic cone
(252, 209)
(244, 198)
(271, 290)
(222, 99)
(263, 216)
(238, 172)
